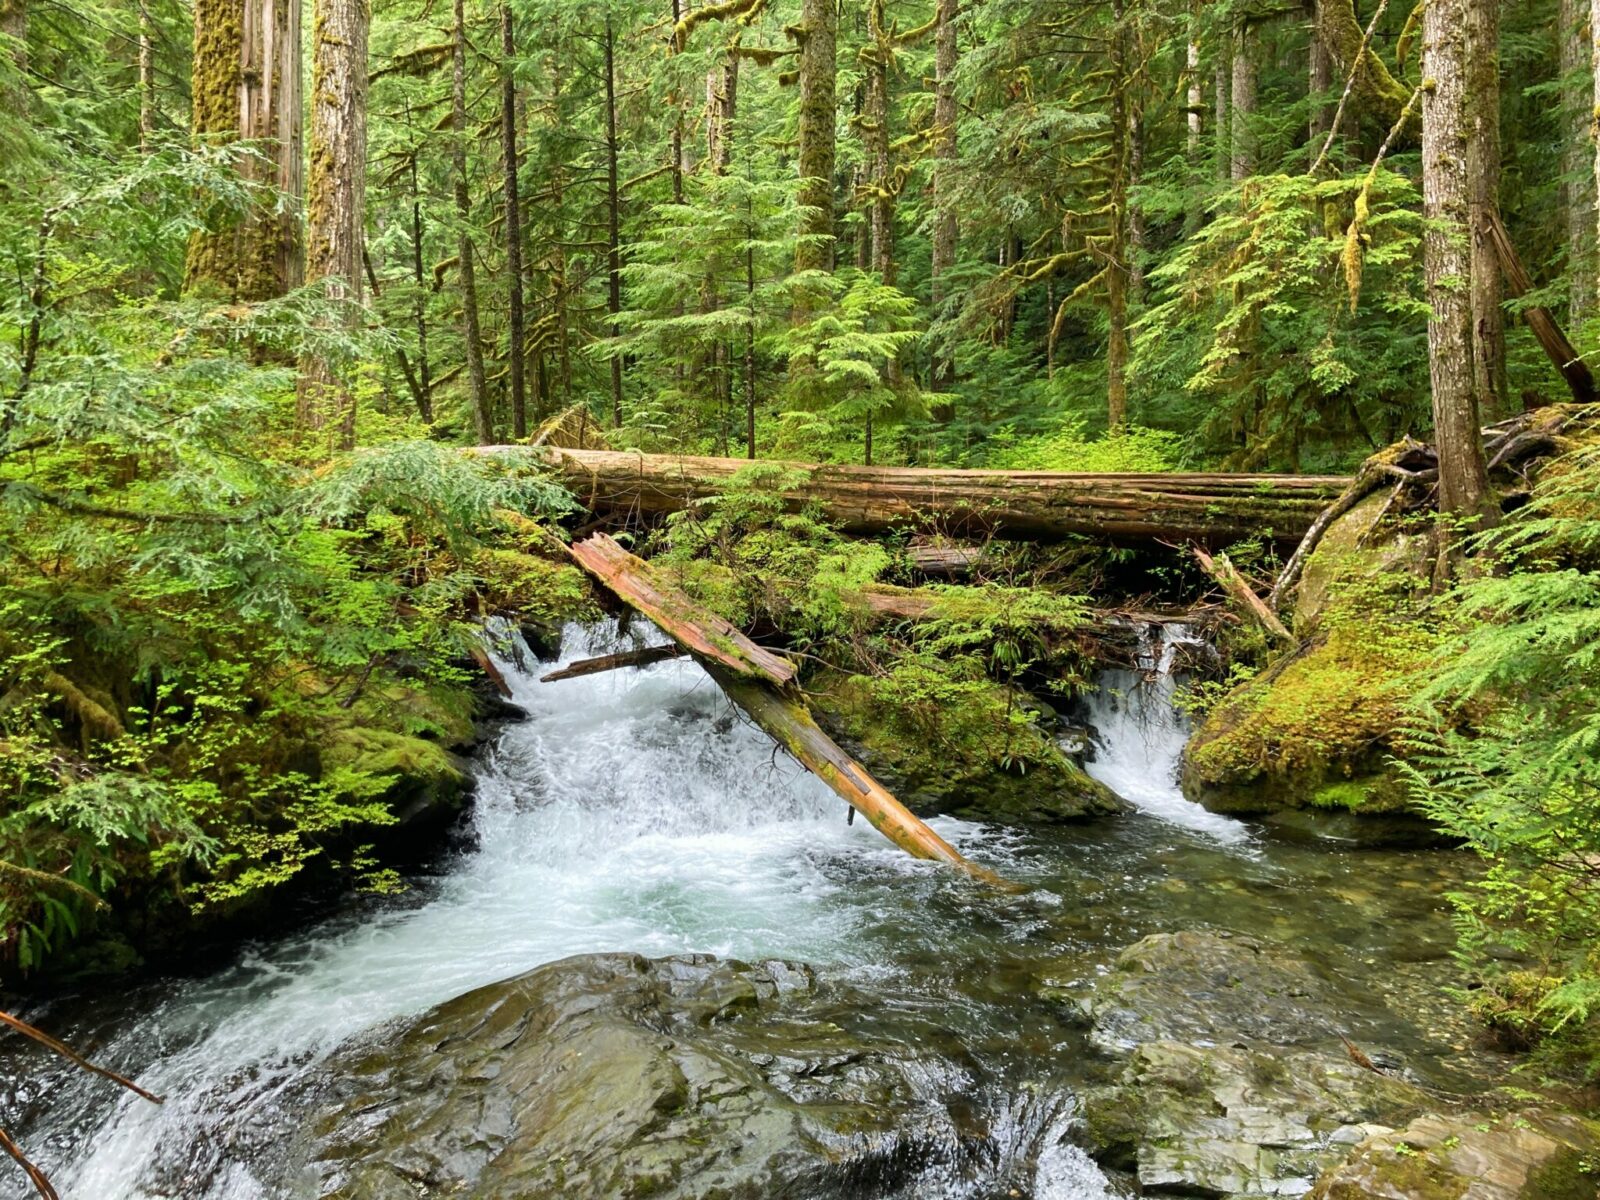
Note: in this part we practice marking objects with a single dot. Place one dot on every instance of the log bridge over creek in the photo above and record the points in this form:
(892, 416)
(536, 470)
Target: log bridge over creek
(1020, 505)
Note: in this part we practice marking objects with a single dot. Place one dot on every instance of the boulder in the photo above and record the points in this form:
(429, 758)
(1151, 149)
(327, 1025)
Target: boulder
(1231, 1078)
(618, 1076)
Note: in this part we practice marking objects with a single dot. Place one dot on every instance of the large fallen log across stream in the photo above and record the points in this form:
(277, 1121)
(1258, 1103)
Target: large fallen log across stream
(1030, 505)
(759, 682)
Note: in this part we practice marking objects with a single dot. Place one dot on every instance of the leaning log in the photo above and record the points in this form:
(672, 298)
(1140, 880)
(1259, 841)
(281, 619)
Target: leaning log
(758, 682)
(1022, 505)
(703, 634)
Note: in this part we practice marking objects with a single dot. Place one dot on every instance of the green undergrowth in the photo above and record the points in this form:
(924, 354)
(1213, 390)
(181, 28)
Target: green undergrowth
(229, 662)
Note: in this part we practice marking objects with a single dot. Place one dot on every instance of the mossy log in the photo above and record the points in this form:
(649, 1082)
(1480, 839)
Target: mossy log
(642, 657)
(758, 682)
(1022, 505)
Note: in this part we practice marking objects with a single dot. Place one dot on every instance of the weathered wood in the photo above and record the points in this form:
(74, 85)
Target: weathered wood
(944, 562)
(701, 633)
(641, 657)
(789, 723)
(1233, 583)
(1546, 331)
(1024, 505)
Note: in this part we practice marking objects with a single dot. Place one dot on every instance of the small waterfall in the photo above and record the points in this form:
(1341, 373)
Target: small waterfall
(1139, 735)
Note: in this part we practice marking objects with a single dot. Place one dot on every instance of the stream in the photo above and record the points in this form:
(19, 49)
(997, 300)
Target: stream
(636, 811)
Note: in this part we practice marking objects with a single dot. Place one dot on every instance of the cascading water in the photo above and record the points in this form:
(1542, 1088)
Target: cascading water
(1139, 735)
(630, 811)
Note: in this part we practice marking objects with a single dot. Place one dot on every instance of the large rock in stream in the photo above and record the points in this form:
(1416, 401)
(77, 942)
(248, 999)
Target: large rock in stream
(615, 1075)
(1229, 1081)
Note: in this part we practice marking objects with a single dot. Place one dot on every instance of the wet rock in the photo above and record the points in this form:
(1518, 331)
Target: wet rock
(620, 1076)
(1533, 1155)
(1230, 1084)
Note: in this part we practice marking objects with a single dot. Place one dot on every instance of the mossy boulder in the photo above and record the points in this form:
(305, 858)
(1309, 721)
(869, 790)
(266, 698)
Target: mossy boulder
(1355, 548)
(954, 742)
(1538, 1154)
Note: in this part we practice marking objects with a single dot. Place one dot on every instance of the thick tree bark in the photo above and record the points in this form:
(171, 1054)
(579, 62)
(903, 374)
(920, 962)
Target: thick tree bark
(1483, 200)
(1242, 151)
(1221, 84)
(1578, 190)
(1463, 475)
(247, 88)
(516, 336)
(337, 201)
(1031, 505)
(613, 220)
(1319, 80)
(471, 330)
(946, 227)
(818, 36)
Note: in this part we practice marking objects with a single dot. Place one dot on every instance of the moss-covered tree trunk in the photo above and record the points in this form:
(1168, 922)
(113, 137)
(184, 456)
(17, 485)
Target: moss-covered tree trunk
(946, 227)
(420, 281)
(1194, 106)
(1483, 199)
(1379, 96)
(14, 25)
(1319, 80)
(1578, 185)
(875, 136)
(247, 88)
(818, 34)
(471, 330)
(1463, 478)
(147, 78)
(337, 195)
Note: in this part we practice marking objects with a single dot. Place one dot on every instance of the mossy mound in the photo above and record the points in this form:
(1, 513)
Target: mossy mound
(948, 740)
(1317, 728)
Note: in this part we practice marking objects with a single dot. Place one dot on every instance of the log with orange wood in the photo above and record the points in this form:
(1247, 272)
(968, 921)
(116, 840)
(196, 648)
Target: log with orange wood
(761, 683)
(1030, 505)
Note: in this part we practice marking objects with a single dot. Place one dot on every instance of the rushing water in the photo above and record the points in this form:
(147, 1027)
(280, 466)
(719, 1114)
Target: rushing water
(636, 811)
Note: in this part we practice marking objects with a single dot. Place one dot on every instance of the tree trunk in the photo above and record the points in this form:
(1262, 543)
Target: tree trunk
(337, 200)
(818, 36)
(516, 336)
(613, 221)
(1242, 153)
(875, 127)
(1194, 205)
(147, 79)
(471, 332)
(1117, 245)
(1463, 475)
(1377, 92)
(750, 329)
(1578, 190)
(420, 279)
(1030, 505)
(1483, 199)
(1221, 140)
(1318, 84)
(946, 228)
(247, 87)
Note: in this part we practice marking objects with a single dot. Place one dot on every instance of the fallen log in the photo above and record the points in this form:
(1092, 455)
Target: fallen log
(701, 633)
(1024, 505)
(1557, 348)
(641, 657)
(1223, 571)
(758, 682)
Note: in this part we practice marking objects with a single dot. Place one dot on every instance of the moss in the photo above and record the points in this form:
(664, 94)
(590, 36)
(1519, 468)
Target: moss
(537, 588)
(384, 754)
(1568, 1175)
(946, 739)
(1413, 1174)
